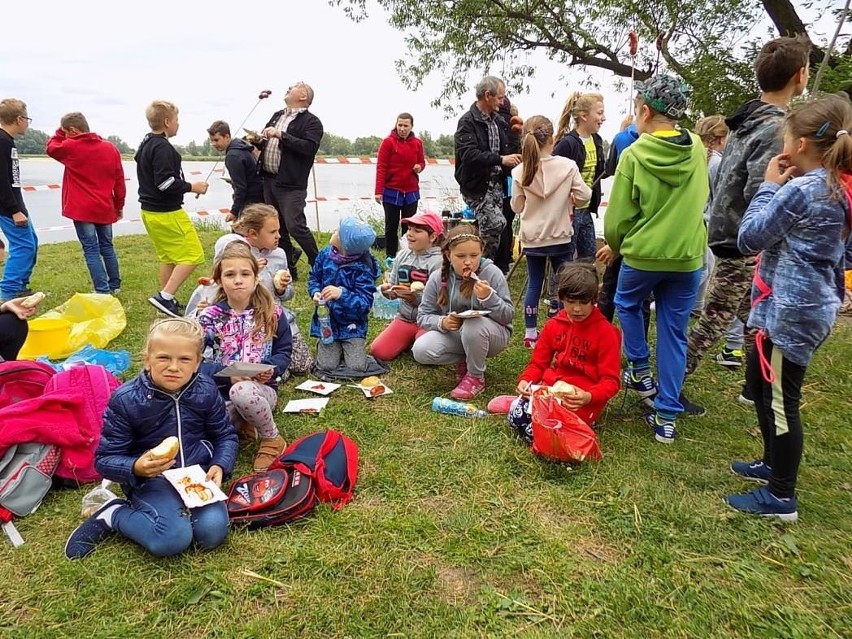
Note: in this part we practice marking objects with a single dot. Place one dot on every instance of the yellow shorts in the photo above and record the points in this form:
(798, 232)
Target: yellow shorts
(174, 237)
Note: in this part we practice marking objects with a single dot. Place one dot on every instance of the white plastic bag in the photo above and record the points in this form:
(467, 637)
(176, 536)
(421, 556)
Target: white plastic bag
(97, 497)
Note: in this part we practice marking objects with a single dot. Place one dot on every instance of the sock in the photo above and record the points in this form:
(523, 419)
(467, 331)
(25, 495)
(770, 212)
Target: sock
(531, 333)
(639, 368)
(166, 296)
(107, 514)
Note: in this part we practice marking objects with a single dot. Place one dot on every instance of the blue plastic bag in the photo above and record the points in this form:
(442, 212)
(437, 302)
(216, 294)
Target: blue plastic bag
(115, 362)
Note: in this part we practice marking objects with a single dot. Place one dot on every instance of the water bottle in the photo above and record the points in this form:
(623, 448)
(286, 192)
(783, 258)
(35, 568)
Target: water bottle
(452, 407)
(326, 334)
(467, 214)
(383, 308)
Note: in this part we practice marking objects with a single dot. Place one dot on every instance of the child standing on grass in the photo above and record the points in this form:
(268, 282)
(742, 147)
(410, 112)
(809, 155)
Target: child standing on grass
(14, 217)
(343, 279)
(168, 399)
(584, 145)
(161, 191)
(655, 221)
(545, 189)
(466, 282)
(244, 325)
(412, 267)
(801, 228)
(578, 346)
(259, 227)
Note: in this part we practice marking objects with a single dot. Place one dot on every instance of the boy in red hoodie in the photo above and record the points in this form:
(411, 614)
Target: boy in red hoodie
(578, 346)
(93, 193)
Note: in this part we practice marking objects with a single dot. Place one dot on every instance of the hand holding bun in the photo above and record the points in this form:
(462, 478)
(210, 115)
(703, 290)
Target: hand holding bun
(167, 449)
(33, 300)
(417, 287)
(281, 278)
(562, 388)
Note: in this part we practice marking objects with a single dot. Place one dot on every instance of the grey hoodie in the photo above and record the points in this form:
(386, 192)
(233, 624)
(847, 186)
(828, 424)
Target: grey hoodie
(409, 267)
(754, 139)
(499, 302)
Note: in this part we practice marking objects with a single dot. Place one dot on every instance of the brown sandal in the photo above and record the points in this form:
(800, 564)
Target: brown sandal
(268, 452)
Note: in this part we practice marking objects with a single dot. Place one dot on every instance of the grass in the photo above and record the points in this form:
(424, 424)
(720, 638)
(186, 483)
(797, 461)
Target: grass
(456, 529)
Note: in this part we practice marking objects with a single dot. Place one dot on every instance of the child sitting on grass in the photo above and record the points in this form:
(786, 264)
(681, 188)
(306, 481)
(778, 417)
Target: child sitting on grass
(168, 399)
(578, 346)
(245, 325)
(412, 267)
(467, 282)
(343, 279)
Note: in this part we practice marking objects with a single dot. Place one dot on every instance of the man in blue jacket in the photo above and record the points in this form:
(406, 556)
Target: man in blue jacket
(241, 163)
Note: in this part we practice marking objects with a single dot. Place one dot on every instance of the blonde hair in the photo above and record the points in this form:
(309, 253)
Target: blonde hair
(175, 327)
(710, 129)
(11, 109)
(457, 235)
(253, 218)
(537, 133)
(820, 121)
(576, 104)
(157, 112)
(265, 321)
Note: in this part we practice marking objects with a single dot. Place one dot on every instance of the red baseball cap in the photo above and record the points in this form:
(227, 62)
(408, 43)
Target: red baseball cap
(429, 219)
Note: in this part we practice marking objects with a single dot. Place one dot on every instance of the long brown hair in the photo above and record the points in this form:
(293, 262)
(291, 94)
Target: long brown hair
(538, 132)
(456, 235)
(826, 123)
(261, 299)
(253, 218)
(577, 103)
(711, 128)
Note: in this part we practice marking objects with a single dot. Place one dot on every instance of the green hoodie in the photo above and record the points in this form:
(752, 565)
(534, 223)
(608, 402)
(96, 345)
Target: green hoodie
(655, 215)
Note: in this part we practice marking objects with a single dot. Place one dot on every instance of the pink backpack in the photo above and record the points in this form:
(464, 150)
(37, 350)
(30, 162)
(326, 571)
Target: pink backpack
(92, 386)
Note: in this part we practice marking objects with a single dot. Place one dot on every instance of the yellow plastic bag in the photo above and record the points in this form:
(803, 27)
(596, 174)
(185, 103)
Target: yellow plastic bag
(86, 318)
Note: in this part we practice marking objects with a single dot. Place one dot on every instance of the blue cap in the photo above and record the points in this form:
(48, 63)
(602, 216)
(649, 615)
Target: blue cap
(356, 237)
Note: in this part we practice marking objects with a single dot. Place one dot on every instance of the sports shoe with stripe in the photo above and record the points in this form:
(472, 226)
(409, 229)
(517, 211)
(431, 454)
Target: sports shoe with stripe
(643, 383)
(729, 357)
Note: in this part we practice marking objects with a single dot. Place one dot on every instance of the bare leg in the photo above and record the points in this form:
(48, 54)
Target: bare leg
(165, 274)
(179, 274)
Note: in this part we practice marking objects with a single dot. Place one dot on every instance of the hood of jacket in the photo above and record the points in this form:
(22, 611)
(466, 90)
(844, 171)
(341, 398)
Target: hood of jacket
(669, 159)
(751, 115)
(148, 137)
(238, 144)
(554, 171)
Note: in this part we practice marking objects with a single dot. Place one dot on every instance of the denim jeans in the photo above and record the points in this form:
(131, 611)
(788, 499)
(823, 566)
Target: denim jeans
(22, 247)
(674, 295)
(536, 265)
(100, 255)
(156, 519)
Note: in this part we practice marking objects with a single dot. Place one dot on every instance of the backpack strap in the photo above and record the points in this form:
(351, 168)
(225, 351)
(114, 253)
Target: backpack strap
(339, 496)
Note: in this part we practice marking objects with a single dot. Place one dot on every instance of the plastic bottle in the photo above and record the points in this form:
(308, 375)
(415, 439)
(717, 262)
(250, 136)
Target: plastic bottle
(452, 407)
(327, 335)
(467, 214)
(383, 308)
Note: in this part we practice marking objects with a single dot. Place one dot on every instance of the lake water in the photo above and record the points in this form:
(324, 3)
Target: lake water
(335, 191)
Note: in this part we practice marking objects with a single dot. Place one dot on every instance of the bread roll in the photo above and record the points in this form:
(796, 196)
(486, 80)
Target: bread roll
(562, 388)
(33, 300)
(278, 278)
(417, 287)
(167, 449)
(369, 382)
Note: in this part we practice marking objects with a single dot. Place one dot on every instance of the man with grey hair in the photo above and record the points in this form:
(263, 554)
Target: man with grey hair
(291, 140)
(482, 160)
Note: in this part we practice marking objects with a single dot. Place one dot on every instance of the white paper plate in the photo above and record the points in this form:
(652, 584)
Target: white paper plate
(320, 388)
(470, 314)
(367, 390)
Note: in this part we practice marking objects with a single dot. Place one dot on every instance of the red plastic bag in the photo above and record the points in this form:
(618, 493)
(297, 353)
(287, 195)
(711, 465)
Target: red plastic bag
(559, 434)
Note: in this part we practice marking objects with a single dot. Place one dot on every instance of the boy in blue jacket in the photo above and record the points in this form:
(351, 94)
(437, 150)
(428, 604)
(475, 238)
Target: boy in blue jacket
(168, 399)
(343, 278)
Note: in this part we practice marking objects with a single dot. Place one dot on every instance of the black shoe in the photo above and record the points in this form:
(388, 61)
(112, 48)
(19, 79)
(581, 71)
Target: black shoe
(297, 253)
(691, 409)
(169, 307)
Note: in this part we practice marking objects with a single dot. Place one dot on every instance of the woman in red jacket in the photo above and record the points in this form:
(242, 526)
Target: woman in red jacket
(398, 169)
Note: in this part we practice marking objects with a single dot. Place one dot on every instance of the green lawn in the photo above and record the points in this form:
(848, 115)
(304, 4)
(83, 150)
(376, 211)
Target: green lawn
(456, 530)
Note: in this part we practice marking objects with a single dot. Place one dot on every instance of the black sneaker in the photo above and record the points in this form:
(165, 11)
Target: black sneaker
(729, 357)
(746, 397)
(297, 253)
(689, 408)
(169, 307)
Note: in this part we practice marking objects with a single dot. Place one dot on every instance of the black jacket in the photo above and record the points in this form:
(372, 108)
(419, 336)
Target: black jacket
(572, 147)
(160, 176)
(245, 178)
(474, 158)
(298, 146)
(11, 197)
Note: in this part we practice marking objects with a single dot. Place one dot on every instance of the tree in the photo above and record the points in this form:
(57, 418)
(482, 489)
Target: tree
(32, 142)
(121, 145)
(707, 42)
(366, 146)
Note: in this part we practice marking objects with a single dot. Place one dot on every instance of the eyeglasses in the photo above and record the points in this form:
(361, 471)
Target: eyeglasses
(26, 118)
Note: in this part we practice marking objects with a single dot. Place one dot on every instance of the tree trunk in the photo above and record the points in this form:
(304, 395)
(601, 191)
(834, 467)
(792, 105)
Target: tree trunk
(784, 17)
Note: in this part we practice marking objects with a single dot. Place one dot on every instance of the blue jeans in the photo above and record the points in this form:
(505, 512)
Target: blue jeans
(536, 265)
(156, 519)
(100, 255)
(584, 235)
(674, 296)
(22, 245)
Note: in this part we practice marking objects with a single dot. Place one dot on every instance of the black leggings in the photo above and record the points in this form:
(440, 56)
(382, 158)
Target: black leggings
(13, 334)
(393, 213)
(777, 407)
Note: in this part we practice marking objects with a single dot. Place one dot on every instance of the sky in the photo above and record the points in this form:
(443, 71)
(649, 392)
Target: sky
(110, 59)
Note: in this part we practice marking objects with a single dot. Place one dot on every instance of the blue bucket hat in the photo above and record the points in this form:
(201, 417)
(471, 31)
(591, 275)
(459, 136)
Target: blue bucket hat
(356, 237)
(665, 94)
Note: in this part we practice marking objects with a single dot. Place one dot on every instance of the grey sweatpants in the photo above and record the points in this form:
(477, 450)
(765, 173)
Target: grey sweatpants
(352, 352)
(477, 339)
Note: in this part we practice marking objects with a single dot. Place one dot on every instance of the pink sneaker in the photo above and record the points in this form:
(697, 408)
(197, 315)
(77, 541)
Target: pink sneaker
(468, 388)
(461, 371)
(501, 404)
